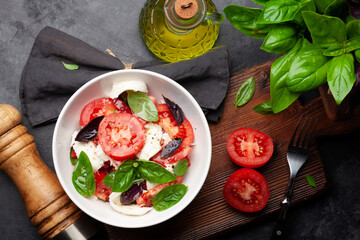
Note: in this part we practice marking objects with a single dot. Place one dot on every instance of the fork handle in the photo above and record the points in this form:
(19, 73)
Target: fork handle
(279, 231)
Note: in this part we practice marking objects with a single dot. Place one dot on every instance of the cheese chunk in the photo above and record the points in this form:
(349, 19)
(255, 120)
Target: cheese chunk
(125, 85)
(153, 136)
(131, 209)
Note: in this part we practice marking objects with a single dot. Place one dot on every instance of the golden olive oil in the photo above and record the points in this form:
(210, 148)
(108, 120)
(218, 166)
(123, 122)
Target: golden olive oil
(171, 44)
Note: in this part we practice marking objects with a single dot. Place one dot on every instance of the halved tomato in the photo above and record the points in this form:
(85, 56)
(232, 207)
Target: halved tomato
(101, 107)
(246, 190)
(249, 148)
(170, 126)
(177, 156)
(121, 135)
(145, 200)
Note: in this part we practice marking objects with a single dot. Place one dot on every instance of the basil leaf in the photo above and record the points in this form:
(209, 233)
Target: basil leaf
(353, 29)
(108, 180)
(298, 19)
(69, 66)
(124, 176)
(171, 147)
(357, 55)
(281, 39)
(169, 196)
(154, 172)
(140, 103)
(338, 8)
(338, 49)
(175, 110)
(277, 11)
(308, 70)
(72, 160)
(325, 30)
(341, 76)
(90, 131)
(264, 108)
(321, 5)
(261, 2)
(245, 92)
(83, 177)
(310, 180)
(181, 167)
(244, 19)
(281, 97)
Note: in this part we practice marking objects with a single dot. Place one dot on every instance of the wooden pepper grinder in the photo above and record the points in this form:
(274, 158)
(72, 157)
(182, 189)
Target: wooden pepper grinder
(47, 205)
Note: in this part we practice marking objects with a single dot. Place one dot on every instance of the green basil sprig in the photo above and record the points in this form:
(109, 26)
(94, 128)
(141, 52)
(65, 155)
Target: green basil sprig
(140, 103)
(83, 177)
(69, 66)
(357, 55)
(298, 19)
(325, 30)
(281, 39)
(131, 171)
(181, 167)
(245, 20)
(338, 8)
(245, 92)
(341, 76)
(264, 108)
(169, 196)
(277, 11)
(321, 5)
(353, 29)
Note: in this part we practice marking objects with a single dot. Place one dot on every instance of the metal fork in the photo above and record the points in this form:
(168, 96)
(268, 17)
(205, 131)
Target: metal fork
(297, 154)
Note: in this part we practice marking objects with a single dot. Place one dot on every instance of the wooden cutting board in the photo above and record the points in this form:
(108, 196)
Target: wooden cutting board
(209, 214)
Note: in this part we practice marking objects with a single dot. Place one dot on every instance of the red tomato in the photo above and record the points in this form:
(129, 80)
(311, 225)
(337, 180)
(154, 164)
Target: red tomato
(101, 107)
(246, 190)
(249, 148)
(168, 123)
(121, 136)
(145, 199)
(177, 156)
(73, 154)
(102, 191)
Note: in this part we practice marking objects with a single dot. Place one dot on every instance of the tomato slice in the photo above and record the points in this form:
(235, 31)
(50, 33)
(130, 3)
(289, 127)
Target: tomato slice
(249, 148)
(121, 136)
(177, 156)
(102, 191)
(246, 190)
(101, 107)
(145, 200)
(170, 126)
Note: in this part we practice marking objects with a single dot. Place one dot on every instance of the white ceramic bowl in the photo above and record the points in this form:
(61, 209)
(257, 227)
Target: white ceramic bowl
(157, 84)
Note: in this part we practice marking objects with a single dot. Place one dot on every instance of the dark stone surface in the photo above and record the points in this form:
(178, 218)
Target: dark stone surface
(114, 25)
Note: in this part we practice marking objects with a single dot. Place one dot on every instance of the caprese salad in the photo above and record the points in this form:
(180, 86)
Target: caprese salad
(132, 150)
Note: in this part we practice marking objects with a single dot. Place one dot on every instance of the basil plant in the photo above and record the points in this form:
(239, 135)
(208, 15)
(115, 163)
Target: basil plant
(320, 41)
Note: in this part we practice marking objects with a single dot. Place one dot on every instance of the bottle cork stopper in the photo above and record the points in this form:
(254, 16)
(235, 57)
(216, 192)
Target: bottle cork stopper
(186, 9)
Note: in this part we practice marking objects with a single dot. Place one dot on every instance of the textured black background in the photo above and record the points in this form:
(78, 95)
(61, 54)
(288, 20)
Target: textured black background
(113, 24)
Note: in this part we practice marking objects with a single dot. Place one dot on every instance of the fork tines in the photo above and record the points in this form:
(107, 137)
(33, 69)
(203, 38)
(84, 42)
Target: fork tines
(306, 133)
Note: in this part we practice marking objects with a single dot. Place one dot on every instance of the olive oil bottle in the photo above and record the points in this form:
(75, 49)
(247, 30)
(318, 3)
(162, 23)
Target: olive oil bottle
(176, 30)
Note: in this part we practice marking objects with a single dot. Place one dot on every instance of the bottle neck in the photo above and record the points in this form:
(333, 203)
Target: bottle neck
(184, 15)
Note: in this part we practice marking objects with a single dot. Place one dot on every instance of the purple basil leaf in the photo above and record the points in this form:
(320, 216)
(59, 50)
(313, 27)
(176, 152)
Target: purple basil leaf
(354, 8)
(176, 111)
(132, 193)
(89, 131)
(171, 147)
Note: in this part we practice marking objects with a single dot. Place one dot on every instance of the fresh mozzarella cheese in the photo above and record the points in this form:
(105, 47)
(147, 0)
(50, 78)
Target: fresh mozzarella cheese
(132, 209)
(150, 185)
(96, 155)
(153, 133)
(125, 85)
(170, 167)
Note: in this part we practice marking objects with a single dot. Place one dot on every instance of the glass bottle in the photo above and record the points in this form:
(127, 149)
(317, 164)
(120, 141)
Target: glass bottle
(176, 30)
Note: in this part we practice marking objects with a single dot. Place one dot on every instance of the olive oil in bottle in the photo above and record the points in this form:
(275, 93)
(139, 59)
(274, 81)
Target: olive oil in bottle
(176, 30)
